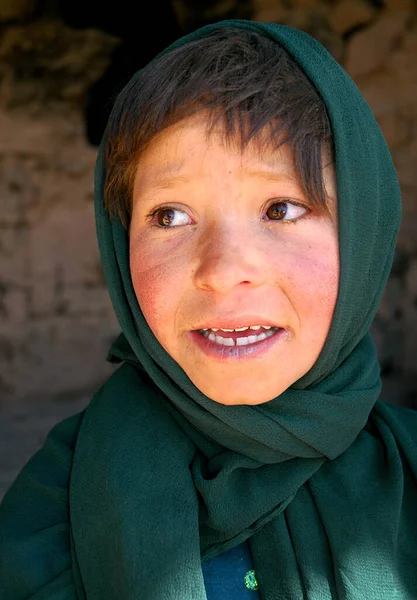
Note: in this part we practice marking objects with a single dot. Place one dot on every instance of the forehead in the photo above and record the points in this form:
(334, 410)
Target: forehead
(185, 146)
(190, 148)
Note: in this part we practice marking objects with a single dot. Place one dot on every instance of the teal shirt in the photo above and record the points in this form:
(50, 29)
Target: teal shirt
(224, 575)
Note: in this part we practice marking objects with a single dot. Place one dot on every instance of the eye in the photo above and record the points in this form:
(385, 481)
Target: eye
(285, 211)
(169, 217)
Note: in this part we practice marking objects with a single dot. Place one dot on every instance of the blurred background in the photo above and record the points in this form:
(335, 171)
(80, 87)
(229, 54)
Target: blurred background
(61, 64)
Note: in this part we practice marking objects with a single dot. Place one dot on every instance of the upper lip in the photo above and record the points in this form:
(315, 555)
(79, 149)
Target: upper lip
(236, 323)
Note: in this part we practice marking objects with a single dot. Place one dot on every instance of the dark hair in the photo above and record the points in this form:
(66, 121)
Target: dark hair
(241, 78)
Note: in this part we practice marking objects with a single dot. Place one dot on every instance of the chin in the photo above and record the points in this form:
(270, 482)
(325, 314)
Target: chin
(242, 399)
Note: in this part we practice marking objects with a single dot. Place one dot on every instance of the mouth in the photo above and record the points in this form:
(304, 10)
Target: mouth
(241, 336)
(231, 344)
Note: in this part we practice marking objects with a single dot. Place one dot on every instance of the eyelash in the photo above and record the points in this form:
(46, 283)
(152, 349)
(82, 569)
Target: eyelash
(153, 214)
(292, 203)
(150, 217)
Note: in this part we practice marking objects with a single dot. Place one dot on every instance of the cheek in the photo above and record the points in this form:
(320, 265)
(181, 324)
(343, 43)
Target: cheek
(157, 284)
(311, 268)
(316, 284)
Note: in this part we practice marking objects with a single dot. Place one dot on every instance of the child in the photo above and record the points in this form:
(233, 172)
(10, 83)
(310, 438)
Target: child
(247, 212)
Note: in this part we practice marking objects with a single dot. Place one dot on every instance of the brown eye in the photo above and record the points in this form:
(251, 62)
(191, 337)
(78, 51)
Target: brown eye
(277, 211)
(165, 217)
(286, 211)
(169, 217)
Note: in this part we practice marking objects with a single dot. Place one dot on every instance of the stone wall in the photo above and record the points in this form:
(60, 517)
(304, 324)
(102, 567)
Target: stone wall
(56, 321)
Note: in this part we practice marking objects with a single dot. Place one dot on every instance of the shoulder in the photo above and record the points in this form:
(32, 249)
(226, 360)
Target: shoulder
(128, 406)
(35, 551)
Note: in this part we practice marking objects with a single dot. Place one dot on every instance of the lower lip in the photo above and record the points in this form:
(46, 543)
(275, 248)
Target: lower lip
(232, 353)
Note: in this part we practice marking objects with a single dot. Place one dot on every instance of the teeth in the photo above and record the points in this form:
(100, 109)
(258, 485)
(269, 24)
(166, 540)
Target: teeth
(251, 339)
(243, 341)
(224, 341)
(254, 327)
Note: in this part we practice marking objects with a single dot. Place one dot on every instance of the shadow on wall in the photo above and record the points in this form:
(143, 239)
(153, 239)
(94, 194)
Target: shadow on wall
(143, 34)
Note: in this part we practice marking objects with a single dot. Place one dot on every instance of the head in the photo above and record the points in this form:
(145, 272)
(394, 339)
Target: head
(219, 162)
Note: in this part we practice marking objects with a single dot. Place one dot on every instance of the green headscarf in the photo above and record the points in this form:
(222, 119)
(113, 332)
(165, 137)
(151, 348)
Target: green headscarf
(321, 480)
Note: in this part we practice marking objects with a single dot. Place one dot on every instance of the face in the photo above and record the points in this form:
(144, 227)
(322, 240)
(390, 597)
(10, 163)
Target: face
(235, 273)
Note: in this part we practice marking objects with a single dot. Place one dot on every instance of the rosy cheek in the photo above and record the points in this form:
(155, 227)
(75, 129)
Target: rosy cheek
(145, 278)
(313, 279)
(155, 281)
(329, 293)
(324, 281)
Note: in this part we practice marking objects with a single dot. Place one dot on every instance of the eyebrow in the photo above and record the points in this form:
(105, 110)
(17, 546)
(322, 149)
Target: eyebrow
(274, 175)
(164, 177)
(165, 182)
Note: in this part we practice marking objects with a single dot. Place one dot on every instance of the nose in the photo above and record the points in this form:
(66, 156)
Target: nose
(228, 258)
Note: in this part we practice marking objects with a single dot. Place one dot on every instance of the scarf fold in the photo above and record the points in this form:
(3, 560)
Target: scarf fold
(321, 480)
